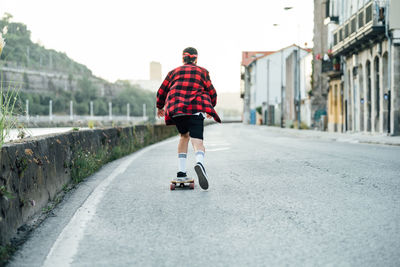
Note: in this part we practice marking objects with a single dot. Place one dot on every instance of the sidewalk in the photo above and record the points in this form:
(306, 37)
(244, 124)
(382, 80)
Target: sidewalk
(365, 138)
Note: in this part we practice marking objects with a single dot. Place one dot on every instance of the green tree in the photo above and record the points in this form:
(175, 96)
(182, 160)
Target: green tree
(100, 107)
(87, 90)
(82, 108)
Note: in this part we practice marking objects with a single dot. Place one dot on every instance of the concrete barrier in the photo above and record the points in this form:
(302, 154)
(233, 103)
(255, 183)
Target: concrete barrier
(34, 171)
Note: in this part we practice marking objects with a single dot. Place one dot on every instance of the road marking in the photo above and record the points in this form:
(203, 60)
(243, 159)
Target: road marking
(65, 247)
(217, 149)
(216, 144)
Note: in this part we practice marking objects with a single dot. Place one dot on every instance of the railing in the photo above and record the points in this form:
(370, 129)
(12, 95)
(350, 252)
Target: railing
(66, 118)
(330, 66)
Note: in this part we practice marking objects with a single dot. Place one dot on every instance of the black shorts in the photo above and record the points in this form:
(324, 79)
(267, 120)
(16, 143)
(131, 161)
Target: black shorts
(194, 124)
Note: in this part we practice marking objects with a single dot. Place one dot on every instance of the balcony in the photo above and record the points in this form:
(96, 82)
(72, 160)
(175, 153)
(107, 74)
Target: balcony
(331, 67)
(353, 34)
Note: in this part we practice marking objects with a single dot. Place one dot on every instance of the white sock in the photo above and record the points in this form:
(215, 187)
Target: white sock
(200, 156)
(182, 162)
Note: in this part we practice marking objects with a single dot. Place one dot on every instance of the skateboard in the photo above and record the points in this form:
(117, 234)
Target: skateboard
(178, 183)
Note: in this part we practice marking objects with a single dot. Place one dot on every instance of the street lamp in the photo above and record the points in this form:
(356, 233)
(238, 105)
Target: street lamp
(276, 25)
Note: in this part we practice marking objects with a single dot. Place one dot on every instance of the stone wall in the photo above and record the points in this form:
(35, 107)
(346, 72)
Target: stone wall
(34, 171)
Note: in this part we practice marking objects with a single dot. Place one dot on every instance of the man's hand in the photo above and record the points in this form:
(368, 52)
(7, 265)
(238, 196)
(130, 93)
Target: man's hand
(160, 113)
(208, 116)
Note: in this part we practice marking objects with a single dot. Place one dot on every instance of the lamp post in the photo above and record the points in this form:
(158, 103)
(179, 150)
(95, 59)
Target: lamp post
(286, 8)
(268, 85)
(282, 87)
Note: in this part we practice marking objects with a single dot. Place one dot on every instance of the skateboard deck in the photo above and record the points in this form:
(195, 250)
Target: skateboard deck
(175, 183)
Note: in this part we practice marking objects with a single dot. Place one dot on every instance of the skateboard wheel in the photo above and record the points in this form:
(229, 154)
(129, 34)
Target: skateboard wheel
(191, 185)
(172, 187)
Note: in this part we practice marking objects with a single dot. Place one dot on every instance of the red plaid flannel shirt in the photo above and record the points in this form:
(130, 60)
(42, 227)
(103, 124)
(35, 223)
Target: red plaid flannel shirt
(187, 90)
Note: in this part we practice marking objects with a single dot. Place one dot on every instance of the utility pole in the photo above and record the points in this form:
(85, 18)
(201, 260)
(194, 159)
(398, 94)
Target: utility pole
(110, 110)
(71, 110)
(27, 56)
(282, 100)
(128, 111)
(91, 109)
(144, 111)
(51, 61)
(268, 84)
(297, 85)
(27, 109)
(51, 110)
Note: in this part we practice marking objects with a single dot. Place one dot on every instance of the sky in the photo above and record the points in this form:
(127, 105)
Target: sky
(118, 39)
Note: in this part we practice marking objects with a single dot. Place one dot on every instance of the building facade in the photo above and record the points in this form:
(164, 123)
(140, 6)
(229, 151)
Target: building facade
(155, 78)
(155, 71)
(263, 83)
(363, 65)
(319, 79)
(297, 102)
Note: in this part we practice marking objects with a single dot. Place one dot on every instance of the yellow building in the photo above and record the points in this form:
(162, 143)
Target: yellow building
(335, 106)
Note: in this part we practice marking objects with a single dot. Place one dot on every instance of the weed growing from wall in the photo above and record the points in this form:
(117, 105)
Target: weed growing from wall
(8, 99)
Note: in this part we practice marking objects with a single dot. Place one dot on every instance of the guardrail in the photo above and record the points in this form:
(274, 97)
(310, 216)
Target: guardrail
(66, 118)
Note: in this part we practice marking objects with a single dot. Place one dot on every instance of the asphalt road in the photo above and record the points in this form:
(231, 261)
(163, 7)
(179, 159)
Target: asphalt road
(274, 199)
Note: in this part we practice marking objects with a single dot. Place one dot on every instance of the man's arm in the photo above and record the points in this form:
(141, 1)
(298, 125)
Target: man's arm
(210, 89)
(163, 91)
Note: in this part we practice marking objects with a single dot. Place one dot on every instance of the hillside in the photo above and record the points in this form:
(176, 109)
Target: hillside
(42, 75)
(20, 51)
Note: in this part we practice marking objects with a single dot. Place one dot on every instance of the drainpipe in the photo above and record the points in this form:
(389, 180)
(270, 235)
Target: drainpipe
(345, 93)
(389, 82)
(297, 80)
(282, 88)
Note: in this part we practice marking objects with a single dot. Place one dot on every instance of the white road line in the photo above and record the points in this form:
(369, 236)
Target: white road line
(65, 247)
(216, 144)
(217, 149)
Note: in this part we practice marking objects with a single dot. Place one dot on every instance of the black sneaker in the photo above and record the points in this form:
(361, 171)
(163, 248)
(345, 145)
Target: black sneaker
(181, 174)
(202, 175)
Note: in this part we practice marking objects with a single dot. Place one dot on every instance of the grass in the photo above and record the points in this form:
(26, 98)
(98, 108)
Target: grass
(8, 100)
(85, 163)
(5, 194)
(8, 121)
(5, 253)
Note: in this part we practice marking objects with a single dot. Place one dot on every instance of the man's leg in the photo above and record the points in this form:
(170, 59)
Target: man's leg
(182, 153)
(183, 143)
(199, 168)
(199, 149)
(196, 130)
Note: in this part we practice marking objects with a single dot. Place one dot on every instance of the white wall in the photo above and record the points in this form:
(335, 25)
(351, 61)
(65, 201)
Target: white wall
(259, 77)
(253, 86)
(305, 75)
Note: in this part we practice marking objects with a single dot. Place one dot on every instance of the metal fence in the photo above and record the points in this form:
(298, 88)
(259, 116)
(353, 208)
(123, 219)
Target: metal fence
(66, 118)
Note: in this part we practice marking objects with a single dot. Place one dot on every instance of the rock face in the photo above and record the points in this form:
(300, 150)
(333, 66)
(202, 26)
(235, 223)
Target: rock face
(34, 171)
(40, 81)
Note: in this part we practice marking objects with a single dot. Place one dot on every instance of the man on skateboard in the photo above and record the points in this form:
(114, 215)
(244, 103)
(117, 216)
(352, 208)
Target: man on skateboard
(188, 96)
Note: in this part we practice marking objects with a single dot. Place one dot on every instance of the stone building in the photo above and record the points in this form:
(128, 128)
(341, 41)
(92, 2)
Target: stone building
(362, 61)
(320, 79)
